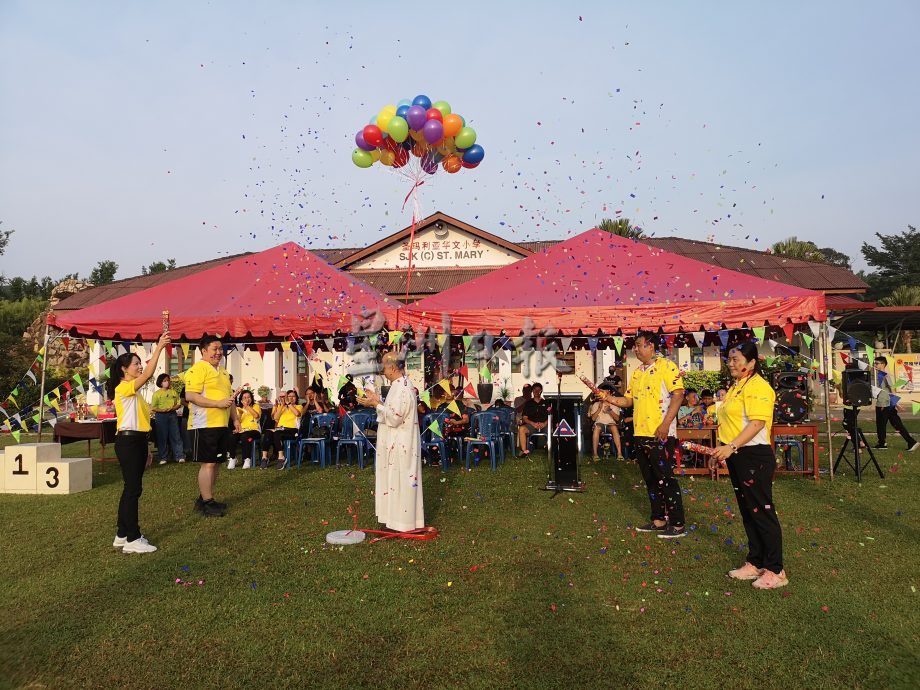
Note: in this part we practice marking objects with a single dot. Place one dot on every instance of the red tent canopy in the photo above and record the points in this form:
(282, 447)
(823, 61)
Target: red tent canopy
(597, 280)
(283, 290)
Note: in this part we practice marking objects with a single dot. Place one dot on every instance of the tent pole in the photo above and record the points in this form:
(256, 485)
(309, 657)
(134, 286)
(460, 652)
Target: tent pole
(41, 399)
(825, 347)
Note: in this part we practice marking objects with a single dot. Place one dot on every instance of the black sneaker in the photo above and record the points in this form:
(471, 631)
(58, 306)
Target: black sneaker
(212, 509)
(651, 527)
(880, 446)
(672, 532)
(200, 504)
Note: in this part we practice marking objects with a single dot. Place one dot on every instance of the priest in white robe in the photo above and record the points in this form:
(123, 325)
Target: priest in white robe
(398, 492)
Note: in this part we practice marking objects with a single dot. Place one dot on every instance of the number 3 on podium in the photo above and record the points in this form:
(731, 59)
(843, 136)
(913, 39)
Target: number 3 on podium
(54, 481)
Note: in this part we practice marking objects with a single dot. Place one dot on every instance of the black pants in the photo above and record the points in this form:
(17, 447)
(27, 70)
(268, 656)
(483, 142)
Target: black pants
(244, 440)
(883, 415)
(132, 457)
(277, 438)
(751, 470)
(849, 422)
(656, 462)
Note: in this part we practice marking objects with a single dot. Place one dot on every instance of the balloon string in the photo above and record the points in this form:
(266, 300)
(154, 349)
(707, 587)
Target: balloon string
(414, 194)
(422, 534)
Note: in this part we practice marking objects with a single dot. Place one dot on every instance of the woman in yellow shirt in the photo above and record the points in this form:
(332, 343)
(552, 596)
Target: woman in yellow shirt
(131, 441)
(745, 420)
(165, 402)
(287, 414)
(249, 415)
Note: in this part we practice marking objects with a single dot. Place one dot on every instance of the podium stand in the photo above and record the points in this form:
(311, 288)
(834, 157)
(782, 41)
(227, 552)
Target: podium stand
(564, 446)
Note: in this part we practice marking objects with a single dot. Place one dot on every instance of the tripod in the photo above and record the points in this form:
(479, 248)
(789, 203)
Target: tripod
(856, 465)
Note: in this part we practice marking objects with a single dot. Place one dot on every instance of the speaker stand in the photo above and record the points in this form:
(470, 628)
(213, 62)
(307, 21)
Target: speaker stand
(857, 466)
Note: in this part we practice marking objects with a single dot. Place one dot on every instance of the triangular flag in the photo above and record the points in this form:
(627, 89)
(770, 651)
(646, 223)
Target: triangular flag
(808, 339)
(870, 353)
(342, 382)
(895, 399)
(772, 343)
(592, 344)
(91, 344)
(900, 383)
(76, 377)
(852, 342)
(374, 339)
(844, 357)
(328, 367)
(769, 360)
(464, 372)
(241, 348)
(831, 332)
(759, 333)
(566, 343)
(723, 336)
(395, 337)
(815, 328)
(30, 375)
(286, 345)
(862, 365)
(66, 342)
(441, 339)
(15, 435)
(261, 348)
(467, 339)
(425, 397)
(185, 349)
(485, 374)
(445, 384)
(875, 391)
(453, 407)
(789, 330)
(618, 343)
(469, 390)
(915, 407)
(107, 344)
(435, 429)
(699, 337)
(330, 343)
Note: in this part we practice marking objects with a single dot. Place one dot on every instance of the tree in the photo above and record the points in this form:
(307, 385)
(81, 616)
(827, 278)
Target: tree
(897, 261)
(4, 238)
(158, 267)
(794, 248)
(621, 227)
(835, 258)
(903, 296)
(103, 273)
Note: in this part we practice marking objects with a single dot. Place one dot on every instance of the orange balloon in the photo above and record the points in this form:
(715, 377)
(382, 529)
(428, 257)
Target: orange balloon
(452, 125)
(420, 149)
(417, 136)
(452, 164)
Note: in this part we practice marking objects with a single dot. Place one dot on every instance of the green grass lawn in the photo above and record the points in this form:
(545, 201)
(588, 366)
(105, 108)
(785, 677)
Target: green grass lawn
(522, 588)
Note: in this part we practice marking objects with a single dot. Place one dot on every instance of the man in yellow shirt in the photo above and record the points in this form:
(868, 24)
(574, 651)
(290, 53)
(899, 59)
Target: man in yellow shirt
(655, 393)
(210, 396)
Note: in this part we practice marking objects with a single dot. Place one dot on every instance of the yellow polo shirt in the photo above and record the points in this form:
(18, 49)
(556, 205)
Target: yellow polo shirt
(214, 384)
(748, 399)
(650, 387)
(131, 409)
(249, 421)
(289, 420)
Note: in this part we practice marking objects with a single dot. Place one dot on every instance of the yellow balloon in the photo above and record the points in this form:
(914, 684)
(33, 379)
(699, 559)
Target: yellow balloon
(387, 157)
(383, 119)
(391, 109)
(375, 154)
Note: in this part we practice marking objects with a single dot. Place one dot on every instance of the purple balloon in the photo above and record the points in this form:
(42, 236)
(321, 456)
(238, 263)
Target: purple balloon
(416, 116)
(359, 140)
(429, 164)
(433, 131)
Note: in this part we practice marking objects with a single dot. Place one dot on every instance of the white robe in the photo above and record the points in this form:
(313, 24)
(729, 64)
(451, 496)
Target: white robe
(398, 491)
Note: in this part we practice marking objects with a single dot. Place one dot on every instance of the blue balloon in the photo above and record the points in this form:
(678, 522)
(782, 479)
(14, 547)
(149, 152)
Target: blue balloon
(474, 154)
(402, 110)
(372, 121)
(423, 101)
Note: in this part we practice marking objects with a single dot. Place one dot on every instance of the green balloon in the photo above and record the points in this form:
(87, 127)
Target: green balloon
(362, 158)
(465, 138)
(443, 106)
(398, 128)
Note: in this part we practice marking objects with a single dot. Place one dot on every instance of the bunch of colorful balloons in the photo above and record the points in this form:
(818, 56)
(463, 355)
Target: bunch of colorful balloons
(418, 129)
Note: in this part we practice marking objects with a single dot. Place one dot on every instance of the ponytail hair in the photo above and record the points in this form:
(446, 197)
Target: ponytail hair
(121, 363)
(748, 350)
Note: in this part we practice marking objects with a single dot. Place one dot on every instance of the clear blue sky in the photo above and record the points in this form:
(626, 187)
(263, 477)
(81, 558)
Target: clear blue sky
(139, 131)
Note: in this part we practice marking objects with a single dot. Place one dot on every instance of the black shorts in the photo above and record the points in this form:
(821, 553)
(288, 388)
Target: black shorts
(210, 445)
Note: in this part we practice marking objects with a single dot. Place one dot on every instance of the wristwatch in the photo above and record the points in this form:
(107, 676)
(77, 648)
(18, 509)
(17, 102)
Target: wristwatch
(733, 447)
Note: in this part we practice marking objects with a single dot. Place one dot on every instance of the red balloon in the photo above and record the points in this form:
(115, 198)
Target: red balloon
(373, 135)
(401, 157)
(390, 144)
(432, 114)
(468, 165)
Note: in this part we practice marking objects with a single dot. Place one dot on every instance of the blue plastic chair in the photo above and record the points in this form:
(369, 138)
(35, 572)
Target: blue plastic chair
(322, 446)
(302, 430)
(507, 431)
(431, 441)
(786, 444)
(485, 432)
(347, 439)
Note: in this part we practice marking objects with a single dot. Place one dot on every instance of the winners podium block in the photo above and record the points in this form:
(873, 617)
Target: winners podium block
(38, 468)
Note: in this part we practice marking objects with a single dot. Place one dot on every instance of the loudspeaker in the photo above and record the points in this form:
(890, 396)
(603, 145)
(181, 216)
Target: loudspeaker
(791, 396)
(857, 391)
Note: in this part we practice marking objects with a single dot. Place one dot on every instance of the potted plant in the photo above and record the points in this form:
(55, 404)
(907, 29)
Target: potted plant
(504, 392)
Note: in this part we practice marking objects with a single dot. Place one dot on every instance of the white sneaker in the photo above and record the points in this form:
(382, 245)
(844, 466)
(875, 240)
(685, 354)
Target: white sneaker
(247, 464)
(232, 464)
(181, 459)
(119, 542)
(139, 545)
(162, 462)
(914, 447)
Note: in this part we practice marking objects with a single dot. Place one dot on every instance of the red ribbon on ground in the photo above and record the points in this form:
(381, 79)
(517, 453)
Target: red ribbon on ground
(422, 534)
